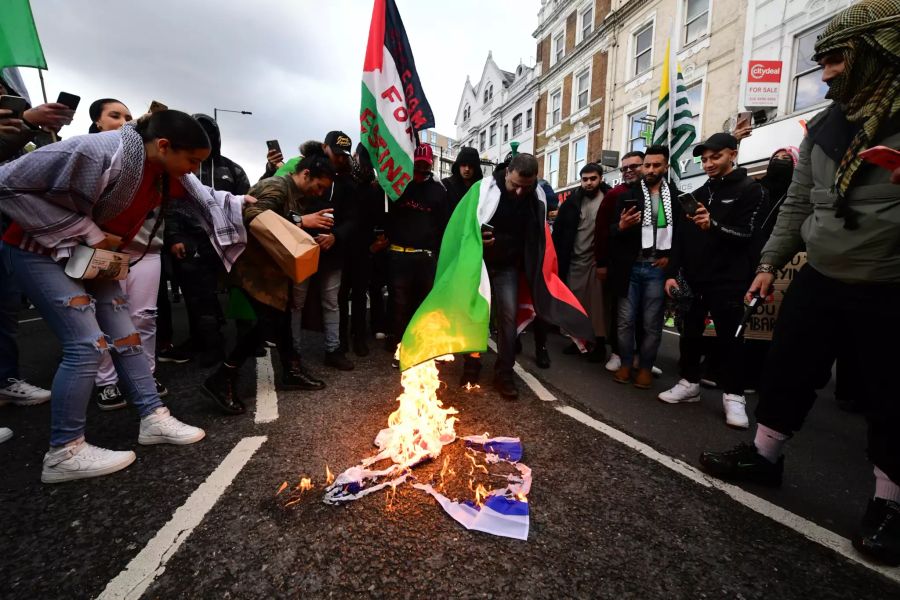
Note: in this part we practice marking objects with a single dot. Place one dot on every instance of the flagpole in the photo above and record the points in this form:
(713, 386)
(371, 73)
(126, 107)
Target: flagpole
(44, 93)
(673, 90)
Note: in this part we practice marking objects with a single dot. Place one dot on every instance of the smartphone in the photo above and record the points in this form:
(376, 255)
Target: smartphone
(157, 106)
(273, 145)
(70, 100)
(884, 157)
(16, 104)
(487, 227)
(629, 204)
(744, 119)
(378, 231)
(688, 203)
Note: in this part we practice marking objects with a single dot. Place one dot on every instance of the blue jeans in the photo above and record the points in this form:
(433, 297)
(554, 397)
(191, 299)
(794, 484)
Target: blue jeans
(505, 292)
(10, 303)
(646, 293)
(329, 287)
(89, 318)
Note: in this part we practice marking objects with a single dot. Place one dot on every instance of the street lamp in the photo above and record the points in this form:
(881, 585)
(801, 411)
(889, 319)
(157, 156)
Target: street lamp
(216, 112)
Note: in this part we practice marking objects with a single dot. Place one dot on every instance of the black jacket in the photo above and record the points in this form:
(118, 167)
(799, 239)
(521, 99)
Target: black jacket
(723, 255)
(456, 187)
(565, 228)
(417, 218)
(625, 246)
(342, 198)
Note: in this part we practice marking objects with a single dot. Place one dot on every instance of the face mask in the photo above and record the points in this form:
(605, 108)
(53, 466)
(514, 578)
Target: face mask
(781, 169)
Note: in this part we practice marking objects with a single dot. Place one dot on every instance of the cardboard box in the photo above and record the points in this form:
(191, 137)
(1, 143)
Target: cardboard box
(762, 323)
(91, 263)
(294, 250)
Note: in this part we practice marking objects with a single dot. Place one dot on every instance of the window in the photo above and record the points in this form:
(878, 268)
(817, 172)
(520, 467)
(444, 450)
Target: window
(517, 124)
(809, 89)
(528, 119)
(643, 49)
(467, 112)
(636, 130)
(553, 168)
(559, 46)
(493, 134)
(482, 141)
(582, 82)
(695, 101)
(506, 133)
(696, 19)
(556, 107)
(488, 93)
(579, 154)
(587, 22)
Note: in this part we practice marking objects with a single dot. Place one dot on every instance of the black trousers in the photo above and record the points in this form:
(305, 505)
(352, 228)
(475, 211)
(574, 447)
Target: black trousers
(198, 274)
(355, 278)
(411, 277)
(164, 329)
(270, 324)
(379, 313)
(727, 308)
(818, 315)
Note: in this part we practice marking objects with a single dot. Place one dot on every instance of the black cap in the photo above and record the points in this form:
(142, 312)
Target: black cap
(339, 142)
(716, 142)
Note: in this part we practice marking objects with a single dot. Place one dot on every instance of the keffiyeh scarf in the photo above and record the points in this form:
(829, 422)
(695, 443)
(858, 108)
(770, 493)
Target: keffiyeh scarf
(657, 235)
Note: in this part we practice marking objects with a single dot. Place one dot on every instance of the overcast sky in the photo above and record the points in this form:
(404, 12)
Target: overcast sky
(296, 64)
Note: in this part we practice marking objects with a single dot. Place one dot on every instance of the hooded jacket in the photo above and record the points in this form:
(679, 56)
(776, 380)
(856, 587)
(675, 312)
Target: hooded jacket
(455, 185)
(417, 218)
(217, 172)
(723, 255)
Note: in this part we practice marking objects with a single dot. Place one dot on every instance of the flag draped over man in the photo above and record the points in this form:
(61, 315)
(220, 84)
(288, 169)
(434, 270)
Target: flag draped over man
(674, 127)
(19, 42)
(394, 106)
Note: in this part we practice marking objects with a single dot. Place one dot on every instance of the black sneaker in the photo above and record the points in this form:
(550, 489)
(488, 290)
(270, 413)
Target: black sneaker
(542, 357)
(571, 350)
(172, 354)
(161, 390)
(743, 463)
(296, 377)
(878, 537)
(471, 371)
(222, 388)
(338, 361)
(360, 347)
(506, 387)
(110, 398)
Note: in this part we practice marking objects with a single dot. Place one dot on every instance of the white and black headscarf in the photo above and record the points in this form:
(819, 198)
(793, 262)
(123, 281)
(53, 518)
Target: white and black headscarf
(656, 235)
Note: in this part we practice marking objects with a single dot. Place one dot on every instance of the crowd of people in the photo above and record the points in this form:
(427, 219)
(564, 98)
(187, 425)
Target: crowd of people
(159, 190)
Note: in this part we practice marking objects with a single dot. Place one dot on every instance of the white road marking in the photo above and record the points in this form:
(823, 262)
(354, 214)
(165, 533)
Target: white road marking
(150, 562)
(530, 380)
(31, 320)
(804, 527)
(266, 398)
(670, 332)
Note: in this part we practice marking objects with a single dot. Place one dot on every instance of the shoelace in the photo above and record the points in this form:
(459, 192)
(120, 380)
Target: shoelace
(20, 386)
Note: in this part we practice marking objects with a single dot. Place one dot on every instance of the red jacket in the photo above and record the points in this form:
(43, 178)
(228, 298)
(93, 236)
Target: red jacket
(605, 215)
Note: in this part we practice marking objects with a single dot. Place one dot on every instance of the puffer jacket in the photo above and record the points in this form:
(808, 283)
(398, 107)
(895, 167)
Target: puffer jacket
(868, 254)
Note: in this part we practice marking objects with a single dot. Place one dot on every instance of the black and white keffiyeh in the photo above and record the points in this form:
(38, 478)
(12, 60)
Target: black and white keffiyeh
(662, 240)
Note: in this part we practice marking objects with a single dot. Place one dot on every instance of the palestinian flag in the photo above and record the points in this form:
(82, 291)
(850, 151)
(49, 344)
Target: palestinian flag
(394, 106)
(455, 315)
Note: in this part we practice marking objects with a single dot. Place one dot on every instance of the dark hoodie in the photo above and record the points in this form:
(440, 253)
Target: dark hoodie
(722, 256)
(218, 172)
(456, 186)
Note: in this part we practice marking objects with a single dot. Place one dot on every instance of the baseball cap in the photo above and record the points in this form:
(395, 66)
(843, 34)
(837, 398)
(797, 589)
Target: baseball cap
(424, 153)
(339, 142)
(716, 142)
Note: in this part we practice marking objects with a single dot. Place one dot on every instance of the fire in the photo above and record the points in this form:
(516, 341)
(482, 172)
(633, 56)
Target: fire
(305, 484)
(329, 476)
(470, 387)
(480, 494)
(282, 488)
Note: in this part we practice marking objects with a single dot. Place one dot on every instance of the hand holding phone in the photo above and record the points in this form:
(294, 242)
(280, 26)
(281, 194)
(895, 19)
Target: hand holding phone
(487, 235)
(630, 216)
(688, 203)
(69, 100)
(15, 105)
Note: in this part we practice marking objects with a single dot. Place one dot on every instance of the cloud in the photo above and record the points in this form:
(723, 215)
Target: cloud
(296, 65)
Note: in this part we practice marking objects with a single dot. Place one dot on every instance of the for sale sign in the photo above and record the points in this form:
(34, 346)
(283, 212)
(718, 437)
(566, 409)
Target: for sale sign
(763, 83)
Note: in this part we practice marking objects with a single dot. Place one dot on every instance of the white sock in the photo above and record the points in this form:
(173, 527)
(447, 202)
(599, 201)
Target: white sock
(769, 442)
(885, 488)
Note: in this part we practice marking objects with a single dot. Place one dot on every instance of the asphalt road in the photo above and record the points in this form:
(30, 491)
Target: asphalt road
(606, 521)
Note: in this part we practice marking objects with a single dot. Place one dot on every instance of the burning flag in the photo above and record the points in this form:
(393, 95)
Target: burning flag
(394, 106)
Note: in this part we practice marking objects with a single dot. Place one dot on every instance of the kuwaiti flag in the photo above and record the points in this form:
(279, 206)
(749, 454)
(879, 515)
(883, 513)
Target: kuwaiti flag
(454, 317)
(394, 106)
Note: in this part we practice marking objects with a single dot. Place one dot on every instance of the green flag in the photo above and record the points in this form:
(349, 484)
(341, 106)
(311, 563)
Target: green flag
(454, 317)
(674, 127)
(19, 42)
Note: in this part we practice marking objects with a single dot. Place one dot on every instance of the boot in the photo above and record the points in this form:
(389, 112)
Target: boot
(296, 377)
(222, 388)
(542, 357)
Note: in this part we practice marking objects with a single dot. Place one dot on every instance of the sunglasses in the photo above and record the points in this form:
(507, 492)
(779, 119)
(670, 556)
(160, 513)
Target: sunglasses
(627, 168)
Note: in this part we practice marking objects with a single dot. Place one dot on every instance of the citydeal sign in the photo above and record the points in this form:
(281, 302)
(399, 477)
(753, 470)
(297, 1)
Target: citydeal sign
(763, 83)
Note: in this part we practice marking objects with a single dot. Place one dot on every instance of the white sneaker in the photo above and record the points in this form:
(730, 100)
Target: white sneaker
(160, 427)
(80, 460)
(380, 336)
(22, 393)
(684, 391)
(735, 411)
(5, 434)
(614, 363)
(657, 372)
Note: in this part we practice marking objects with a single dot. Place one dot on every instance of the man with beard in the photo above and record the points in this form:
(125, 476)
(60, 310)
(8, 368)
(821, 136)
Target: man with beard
(466, 171)
(647, 221)
(631, 168)
(846, 212)
(573, 237)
